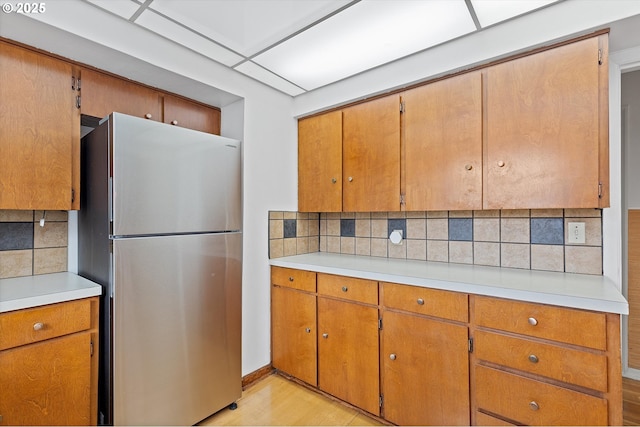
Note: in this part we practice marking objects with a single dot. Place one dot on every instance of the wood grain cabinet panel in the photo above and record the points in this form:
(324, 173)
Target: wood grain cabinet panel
(371, 156)
(184, 113)
(102, 94)
(426, 301)
(543, 130)
(442, 125)
(425, 371)
(296, 279)
(50, 379)
(349, 288)
(39, 132)
(320, 163)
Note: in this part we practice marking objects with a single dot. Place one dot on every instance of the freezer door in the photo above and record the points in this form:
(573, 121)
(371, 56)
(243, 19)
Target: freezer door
(177, 325)
(168, 179)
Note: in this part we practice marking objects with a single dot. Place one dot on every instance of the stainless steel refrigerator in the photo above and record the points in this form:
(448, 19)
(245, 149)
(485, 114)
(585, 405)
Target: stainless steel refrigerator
(160, 228)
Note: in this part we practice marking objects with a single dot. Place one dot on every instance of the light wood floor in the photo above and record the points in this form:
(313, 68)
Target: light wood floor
(275, 401)
(630, 402)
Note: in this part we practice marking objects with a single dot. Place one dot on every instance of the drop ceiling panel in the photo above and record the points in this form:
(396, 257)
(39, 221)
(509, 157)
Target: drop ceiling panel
(265, 76)
(490, 12)
(247, 26)
(366, 35)
(123, 8)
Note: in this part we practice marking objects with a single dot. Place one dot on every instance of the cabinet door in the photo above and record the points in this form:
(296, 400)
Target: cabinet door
(103, 94)
(39, 132)
(293, 335)
(371, 156)
(425, 373)
(542, 124)
(348, 352)
(184, 113)
(320, 163)
(443, 145)
(47, 383)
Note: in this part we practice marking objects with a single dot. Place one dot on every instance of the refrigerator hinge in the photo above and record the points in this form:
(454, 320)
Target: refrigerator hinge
(470, 345)
(380, 323)
(381, 400)
(599, 190)
(599, 56)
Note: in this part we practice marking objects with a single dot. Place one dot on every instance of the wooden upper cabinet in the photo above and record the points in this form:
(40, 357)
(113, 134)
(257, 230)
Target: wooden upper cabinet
(320, 163)
(103, 94)
(181, 112)
(442, 125)
(371, 156)
(39, 132)
(545, 145)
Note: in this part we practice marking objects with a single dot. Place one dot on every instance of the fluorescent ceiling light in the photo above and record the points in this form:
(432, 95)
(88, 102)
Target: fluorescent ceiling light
(267, 77)
(490, 12)
(366, 35)
(187, 38)
(123, 8)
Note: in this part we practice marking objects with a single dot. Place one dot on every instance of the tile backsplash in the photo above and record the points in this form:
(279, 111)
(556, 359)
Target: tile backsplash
(27, 249)
(527, 239)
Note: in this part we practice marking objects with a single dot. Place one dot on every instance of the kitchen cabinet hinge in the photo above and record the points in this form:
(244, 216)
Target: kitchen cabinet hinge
(470, 345)
(91, 348)
(380, 323)
(402, 200)
(599, 56)
(75, 84)
(402, 106)
(78, 102)
(73, 195)
(381, 400)
(599, 190)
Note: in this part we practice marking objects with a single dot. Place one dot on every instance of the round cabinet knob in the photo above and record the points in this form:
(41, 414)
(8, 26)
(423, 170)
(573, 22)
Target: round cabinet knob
(420, 301)
(38, 326)
(500, 164)
(325, 336)
(468, 167)
(532, 321)
(291, 278)
(345, 289)
(174, 122)
(148, 116)
(534, 405)
(392, 356)
(350, 178)
(533, 358)
(333, 180)
(308, 330)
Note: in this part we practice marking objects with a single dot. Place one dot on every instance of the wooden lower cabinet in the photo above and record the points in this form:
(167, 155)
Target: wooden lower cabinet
(425, 370)
(49, 364)
(348, 352)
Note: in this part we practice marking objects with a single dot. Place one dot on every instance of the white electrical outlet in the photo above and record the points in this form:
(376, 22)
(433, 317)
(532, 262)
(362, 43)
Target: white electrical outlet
(576, 233)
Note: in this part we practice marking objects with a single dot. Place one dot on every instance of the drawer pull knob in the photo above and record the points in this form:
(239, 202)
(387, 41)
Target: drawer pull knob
(308, 330)
(533, 358)
(345, 289)
(350, 179)
(534, 405)
(290, 278)
(533, 321)
(501, 164)
(468, 167)
(38, 326)
(174, 122)
(420, 301)
(325, 336)
(148, 116)
(392, 356)
(333, 180)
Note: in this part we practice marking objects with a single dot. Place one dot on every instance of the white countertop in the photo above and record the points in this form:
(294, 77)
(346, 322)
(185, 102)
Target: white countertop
(32, 291)
(583, 291)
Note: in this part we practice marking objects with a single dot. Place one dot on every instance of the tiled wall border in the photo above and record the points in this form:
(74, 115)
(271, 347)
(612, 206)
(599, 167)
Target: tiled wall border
(527, 239)
(27, 249)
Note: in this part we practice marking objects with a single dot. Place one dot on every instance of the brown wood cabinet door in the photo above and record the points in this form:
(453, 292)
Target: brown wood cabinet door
(425, 377)
(348, 364)
(320, 163)
(47, 383)
(39, 127)
(184, 113)
(443, 144)
(542, 130)
(293, 335)
(371, 156)
(103, 94)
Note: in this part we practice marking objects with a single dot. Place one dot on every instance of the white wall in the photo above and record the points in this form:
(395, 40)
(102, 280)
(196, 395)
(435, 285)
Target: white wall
(631, 99)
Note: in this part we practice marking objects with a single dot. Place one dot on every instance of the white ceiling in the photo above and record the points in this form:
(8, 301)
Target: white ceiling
(296, 46)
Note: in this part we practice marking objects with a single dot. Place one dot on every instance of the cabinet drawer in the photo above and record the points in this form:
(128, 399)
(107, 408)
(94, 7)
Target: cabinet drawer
(572, 366)
(533, 402)
(431, 302)
(41, 323)
(296, 279)
(567, 325)
(488, 420)
(349, 288)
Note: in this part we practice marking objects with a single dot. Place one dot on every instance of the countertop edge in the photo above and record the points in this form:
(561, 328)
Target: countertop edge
(608, 298)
